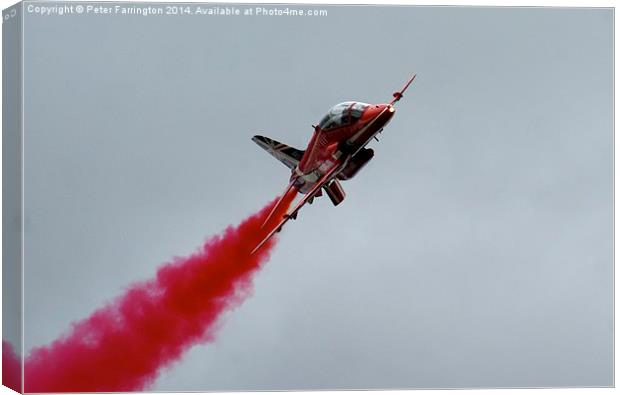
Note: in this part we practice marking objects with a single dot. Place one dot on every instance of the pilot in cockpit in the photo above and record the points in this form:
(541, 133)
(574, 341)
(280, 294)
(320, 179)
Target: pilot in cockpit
(343, 114)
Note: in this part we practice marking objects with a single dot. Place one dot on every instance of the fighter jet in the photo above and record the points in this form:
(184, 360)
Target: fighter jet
(336, 152)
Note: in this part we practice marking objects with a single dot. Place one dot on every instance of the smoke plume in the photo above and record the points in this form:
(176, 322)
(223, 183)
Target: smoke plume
(125, 344)
(11, 368)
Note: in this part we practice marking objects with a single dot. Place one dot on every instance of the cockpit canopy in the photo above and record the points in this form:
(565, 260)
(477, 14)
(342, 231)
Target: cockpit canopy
(343, 114)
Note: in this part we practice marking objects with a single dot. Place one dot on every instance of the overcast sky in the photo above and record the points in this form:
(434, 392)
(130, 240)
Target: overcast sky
(475, 250)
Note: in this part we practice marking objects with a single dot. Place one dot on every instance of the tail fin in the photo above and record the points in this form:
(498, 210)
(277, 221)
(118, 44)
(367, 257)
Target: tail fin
(282, 152)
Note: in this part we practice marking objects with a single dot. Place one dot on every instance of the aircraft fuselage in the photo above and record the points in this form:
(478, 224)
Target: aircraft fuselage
(336, 151)
(338, 144)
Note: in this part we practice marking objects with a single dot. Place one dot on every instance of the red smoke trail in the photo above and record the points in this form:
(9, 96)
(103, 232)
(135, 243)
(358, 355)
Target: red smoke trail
(123, 346)
(11, 368)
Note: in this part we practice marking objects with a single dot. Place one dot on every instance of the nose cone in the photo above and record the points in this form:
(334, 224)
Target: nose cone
(386, 110)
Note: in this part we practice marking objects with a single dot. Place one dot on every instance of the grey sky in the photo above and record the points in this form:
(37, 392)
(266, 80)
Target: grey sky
(475, 250)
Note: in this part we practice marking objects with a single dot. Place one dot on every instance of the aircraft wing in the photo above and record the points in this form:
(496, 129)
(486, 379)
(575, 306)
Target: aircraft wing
(289, 156)
(293, 214)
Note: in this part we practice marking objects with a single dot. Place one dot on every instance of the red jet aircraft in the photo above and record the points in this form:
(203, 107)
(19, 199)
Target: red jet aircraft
(336, 152)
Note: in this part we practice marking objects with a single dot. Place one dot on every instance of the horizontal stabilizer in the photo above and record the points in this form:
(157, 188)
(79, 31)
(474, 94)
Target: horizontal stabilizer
(288, 155)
